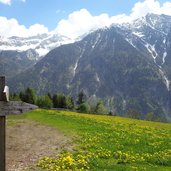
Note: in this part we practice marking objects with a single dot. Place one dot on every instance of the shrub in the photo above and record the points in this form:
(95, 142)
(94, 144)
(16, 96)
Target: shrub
(44, 102)
(84, 108)
(100, 108)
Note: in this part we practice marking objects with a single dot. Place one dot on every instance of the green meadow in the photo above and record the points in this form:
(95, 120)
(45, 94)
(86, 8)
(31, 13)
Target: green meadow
(106, 143)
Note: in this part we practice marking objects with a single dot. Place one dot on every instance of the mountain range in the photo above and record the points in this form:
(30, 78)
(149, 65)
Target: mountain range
(41, 44)
(17, 54)
(127, 65)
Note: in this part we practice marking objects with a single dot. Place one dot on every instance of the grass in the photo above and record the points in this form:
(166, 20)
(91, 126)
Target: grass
(107, 143)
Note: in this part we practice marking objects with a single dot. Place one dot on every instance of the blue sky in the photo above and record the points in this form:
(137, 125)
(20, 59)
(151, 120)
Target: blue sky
(49, 15)
(50, 12)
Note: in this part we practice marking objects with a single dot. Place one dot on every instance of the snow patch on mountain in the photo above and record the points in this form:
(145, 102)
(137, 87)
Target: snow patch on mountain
(164, 57)
(152, 51)
(166, 81)
(97, 77)
(77, 61)
(130, 42)
(138, 34)
(96, 41)
(164, 41)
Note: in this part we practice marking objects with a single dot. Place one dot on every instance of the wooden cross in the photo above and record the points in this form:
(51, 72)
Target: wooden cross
(8, 108)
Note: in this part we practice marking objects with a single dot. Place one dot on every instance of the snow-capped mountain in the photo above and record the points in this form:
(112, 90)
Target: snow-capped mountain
(150, 32)
(42, 44)
(17, 54)
(149, 35)
(128, 66)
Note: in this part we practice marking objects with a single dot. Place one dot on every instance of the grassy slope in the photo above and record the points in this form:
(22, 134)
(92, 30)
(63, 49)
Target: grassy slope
(108, 143)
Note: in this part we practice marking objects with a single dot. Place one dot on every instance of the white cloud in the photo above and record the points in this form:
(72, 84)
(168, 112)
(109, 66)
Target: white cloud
(7, 2)
(11, 27)
(150, 6)
(166, 8)
(80, 22)
(37, 29)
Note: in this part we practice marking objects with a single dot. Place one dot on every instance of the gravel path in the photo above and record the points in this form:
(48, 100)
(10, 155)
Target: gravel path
(28, 141)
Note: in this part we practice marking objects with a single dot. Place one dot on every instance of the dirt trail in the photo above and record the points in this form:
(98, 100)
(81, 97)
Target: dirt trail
(28, 141)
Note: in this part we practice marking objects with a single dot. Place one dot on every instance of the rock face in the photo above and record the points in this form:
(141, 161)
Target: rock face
(128, 66)
(13, 62)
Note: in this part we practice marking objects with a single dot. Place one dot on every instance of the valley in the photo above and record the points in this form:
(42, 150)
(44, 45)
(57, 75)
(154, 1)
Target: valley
(85, 85)
(126, 65)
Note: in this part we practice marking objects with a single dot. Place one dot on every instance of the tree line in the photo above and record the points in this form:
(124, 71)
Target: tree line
(80, 104)
(48, 101)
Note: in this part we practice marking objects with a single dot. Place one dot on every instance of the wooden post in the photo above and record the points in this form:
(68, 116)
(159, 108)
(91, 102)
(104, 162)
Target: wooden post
(2, 129)
(8, 108)
(2, 143)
